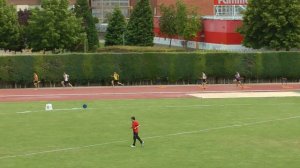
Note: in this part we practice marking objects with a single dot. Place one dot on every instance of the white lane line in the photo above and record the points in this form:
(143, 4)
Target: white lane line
(245, 95)
(95, 94)
(71, 109)
(209, 105)
(169, 106)
(22, 112)
(60, 150)
(153, 137)
(224, 127)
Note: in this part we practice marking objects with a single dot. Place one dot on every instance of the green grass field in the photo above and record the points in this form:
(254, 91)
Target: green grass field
(178, 133)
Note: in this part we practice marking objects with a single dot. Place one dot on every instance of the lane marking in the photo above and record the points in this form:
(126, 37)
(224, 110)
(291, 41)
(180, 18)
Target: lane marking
(209, 105)
(137, 93)
(60, 150)
(152, 137)
(71, 109)
(245, 95)
(95, 94)
(168, 106)
(22, 112)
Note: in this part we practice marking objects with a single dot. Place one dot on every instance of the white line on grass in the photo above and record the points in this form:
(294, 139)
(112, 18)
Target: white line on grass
(153, 137)
(71, 109)
(60, 150)
(209, 105)
(169, 106)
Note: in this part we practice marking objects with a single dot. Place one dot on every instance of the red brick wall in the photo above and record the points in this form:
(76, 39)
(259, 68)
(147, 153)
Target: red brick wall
(222, 31)
(24, 2)
(204, 7)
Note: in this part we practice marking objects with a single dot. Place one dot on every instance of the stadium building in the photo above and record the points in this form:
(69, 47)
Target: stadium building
(30, 4)
(221, 18)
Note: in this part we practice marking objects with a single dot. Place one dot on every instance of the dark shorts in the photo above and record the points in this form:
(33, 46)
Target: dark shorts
(35, 81)
(204, 80)
(237, 79)
(135, 134)
(66, 82)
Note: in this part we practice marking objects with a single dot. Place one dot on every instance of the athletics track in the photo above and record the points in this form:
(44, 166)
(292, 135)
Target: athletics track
(133, 92)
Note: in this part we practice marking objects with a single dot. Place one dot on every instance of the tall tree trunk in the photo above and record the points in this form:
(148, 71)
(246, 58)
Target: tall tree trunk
(170, 42)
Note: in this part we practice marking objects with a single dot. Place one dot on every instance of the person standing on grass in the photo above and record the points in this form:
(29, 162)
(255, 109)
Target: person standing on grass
(116, 78)
(135, 128)
(36, 80)
(66, 81)
(204, 80)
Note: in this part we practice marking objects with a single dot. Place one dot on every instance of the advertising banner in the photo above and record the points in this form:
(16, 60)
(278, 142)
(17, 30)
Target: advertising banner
(230, 2)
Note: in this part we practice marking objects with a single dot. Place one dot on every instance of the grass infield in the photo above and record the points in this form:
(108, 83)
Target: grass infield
(178, 133)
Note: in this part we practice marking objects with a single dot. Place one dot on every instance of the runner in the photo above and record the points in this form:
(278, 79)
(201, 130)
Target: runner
(66, 81)
(204, 80)
(238, 79)
(36, 80)
(115, 79)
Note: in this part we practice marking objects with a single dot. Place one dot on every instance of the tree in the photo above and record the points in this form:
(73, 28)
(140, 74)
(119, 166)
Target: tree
(271, 24)
(54, 27)
(192, 26)
(83, 11)
(181, 17)
(23, 17)
(167, 21)
(140, 27)
(178, 21)
(9, 27)
(116, 28)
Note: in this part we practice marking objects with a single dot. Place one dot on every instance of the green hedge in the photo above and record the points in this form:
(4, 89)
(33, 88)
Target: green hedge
(147, 68)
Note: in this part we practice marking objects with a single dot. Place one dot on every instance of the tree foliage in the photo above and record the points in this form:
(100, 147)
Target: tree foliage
(83, 10)
(272, 24)
(181, 17)
(179, 20)
(192, 26)
(54, 27)
(9, 27)
(140, 27)
(23, 17)
(116, 28)
(167, 21)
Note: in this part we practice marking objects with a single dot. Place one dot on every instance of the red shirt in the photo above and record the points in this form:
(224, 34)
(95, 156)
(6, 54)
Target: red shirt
(134, 126)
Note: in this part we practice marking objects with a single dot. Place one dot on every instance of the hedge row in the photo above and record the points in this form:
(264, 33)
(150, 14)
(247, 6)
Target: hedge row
(147, 67)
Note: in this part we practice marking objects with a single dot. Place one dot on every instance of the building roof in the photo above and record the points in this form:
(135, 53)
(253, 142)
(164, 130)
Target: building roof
(31, 2)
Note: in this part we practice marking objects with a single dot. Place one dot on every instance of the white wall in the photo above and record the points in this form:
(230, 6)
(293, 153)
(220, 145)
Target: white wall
(201, 45)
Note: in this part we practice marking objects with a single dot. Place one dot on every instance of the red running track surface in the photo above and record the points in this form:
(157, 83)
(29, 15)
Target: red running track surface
(130, 92)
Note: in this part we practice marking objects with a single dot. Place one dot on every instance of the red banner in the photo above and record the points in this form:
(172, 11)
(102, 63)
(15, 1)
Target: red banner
(231, 2)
